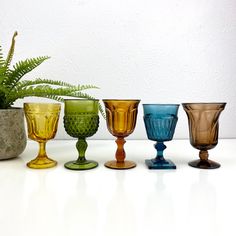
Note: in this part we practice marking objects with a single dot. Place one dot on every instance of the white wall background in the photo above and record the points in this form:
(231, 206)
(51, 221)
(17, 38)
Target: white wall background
(160, 51)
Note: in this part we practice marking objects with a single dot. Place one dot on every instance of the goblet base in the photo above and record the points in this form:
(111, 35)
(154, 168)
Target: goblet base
(204, 164)
(160, 165)
(120, 165)
(41, 163)
(86, 165)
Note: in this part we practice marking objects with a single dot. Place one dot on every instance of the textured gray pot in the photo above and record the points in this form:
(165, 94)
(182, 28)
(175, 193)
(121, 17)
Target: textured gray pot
(12, 133)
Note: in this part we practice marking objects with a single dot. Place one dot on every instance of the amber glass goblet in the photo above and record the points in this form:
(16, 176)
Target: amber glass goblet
(203, 130)
(81, 120)
(121, 118)
(42, 121)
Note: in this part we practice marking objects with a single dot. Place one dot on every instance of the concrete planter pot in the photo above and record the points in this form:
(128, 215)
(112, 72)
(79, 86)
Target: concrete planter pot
(12, 133)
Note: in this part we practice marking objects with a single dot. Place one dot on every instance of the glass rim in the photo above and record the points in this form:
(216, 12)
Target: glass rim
(120, 100)
(74, 99)
(41, 103)
(204, 103)
(160, 104)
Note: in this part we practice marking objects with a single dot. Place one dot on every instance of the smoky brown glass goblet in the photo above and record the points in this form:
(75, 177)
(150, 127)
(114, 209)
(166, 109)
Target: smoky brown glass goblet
(203, 120)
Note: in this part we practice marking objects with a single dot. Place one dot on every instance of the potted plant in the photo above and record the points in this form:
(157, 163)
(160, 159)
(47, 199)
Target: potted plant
(12, 87)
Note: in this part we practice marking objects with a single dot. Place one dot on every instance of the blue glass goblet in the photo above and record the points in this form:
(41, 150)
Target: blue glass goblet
(160, 122)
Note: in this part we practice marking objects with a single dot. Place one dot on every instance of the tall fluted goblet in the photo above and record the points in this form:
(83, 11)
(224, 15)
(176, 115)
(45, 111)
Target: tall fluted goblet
(121, 118)
(42, 121)
(160, 121)
(81, 121)
(203, 120)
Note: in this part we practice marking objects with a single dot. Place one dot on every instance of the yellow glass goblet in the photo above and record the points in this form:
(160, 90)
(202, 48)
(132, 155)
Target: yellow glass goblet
(42, 121)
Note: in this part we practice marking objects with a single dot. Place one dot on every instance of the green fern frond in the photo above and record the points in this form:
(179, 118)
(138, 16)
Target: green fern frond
(2, 68)
(48, 92)
(101, 110)
(26, 83)
(40, 90)
(3, 90)
(85, 87)
(2, 97)
(2, 75)
(56, 98)
(10, 52)
(21, 68)
(2, 61)
(12, 88)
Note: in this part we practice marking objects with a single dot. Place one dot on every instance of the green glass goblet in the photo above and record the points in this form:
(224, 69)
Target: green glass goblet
(81, 120)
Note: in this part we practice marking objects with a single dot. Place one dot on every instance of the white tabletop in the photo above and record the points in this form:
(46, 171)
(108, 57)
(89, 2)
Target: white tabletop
(106, 202)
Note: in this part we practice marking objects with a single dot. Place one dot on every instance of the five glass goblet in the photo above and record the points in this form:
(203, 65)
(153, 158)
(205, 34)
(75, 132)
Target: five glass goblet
(42, 121)
(81, 120)
(160, 121)
(121, 118)
(203, 130)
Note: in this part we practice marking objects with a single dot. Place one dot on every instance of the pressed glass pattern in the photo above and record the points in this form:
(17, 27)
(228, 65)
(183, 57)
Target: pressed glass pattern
(42, 121)
(160, 121)
(203, 120)
(81, 120)
(121, 118)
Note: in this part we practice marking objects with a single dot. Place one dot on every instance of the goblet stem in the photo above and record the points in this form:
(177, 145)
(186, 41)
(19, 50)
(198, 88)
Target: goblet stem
(42, 150)
(203, 154)
(159, 162)
(81, 146)
(41, 161)
(120, 152)
(81, 163)
(160, 147)
(204, 162)
(120, 162)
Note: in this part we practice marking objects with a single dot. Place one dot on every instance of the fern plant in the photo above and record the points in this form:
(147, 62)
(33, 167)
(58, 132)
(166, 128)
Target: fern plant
(12, 87)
